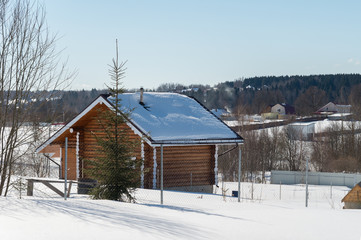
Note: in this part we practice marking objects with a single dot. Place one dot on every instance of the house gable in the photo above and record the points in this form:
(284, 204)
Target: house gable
(278, 108)
(354, 195)
(334, 108)
(92, 110)
(283, 109)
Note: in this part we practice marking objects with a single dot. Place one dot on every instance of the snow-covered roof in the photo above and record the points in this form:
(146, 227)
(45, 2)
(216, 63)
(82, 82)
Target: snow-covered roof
(165, 118)
(301, 124)
(175, 118)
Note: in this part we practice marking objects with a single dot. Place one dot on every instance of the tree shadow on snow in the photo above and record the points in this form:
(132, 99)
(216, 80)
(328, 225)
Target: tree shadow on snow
(113, 214)
(184, 209)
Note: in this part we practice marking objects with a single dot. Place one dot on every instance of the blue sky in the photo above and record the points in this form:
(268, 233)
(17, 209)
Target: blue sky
(206, 42)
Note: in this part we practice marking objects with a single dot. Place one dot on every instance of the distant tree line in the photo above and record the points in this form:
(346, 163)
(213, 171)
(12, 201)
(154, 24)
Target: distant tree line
(242, 96)
(253, 95)
(305, 93)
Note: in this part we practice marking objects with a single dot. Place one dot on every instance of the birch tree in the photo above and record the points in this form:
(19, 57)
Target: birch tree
(30, 69)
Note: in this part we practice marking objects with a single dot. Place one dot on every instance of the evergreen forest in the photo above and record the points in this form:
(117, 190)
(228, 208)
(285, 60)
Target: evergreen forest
(241, 96)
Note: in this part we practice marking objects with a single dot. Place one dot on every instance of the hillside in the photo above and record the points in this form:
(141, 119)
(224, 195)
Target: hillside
(253, 95)
(250, 95)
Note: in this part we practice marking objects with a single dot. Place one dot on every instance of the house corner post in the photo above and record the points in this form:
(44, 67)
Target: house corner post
(216, 165)
(142, 166)
(61, 163)
(77, 155)
(161, 174)
(154, 168)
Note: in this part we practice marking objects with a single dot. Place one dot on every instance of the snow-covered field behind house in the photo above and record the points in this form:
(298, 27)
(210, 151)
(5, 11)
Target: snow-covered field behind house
(183, 215)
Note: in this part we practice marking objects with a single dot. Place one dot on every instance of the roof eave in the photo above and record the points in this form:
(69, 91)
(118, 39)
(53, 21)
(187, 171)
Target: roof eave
(197, 142)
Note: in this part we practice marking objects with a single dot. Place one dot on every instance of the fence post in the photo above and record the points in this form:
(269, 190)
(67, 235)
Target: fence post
(331, 191)
(239, 174)
(280, 189)
(306, 182)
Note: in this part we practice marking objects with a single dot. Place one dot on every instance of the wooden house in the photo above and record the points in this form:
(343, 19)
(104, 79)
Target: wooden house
(331, 108)
(352, 200)
(283, 109)
(278, 111)
(184, 129)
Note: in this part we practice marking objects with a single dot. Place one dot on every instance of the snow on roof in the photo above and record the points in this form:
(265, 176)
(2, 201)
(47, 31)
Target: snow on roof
(302, 124)
(174, 117)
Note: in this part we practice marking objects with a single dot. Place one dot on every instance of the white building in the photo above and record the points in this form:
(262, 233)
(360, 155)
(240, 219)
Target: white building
(301, 130)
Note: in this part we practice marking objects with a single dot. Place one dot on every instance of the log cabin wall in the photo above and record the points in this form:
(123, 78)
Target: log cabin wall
(89, 146)
(71, 174)
(148, 166)
(186, 165)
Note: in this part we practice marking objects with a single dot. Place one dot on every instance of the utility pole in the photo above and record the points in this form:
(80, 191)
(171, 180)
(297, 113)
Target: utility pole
(239, 174)
(307, 182)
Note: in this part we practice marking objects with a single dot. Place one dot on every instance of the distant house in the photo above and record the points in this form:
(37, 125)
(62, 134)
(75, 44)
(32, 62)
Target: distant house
(187, 132)
(278, 111)
(283, 109)
(352, 200)
(301, 131)
(331, 108)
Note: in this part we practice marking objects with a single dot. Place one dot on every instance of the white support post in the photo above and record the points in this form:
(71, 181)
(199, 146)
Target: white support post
(65, 168)
(77, 154)
(216, 166)
(142, 166)
(161, 174)
(154, 168)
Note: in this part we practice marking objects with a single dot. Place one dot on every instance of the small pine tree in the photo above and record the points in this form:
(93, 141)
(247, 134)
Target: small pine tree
(115, 168)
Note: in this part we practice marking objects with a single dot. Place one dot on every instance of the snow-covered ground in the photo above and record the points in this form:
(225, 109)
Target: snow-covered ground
(183, 215)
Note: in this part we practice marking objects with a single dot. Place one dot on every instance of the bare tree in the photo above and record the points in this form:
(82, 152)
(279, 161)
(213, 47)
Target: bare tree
(29, 68)
(293, 149)
(355, 101)
(309, 101)
(319, 154)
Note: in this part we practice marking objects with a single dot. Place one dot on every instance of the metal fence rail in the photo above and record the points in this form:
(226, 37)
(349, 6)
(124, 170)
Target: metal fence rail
(315, 178)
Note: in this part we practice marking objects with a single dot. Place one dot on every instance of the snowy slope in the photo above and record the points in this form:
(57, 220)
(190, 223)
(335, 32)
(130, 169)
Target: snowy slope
(184, 216)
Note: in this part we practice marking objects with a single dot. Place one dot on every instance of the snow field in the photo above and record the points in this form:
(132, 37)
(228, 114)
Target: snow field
(183, 215)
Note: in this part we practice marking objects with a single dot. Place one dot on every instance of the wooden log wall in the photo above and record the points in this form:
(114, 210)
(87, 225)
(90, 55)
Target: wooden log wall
(89, 145)
(71, 163)
(354, 195)
(187, 165)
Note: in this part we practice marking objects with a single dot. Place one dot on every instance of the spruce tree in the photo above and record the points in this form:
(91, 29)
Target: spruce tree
(115, 168)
